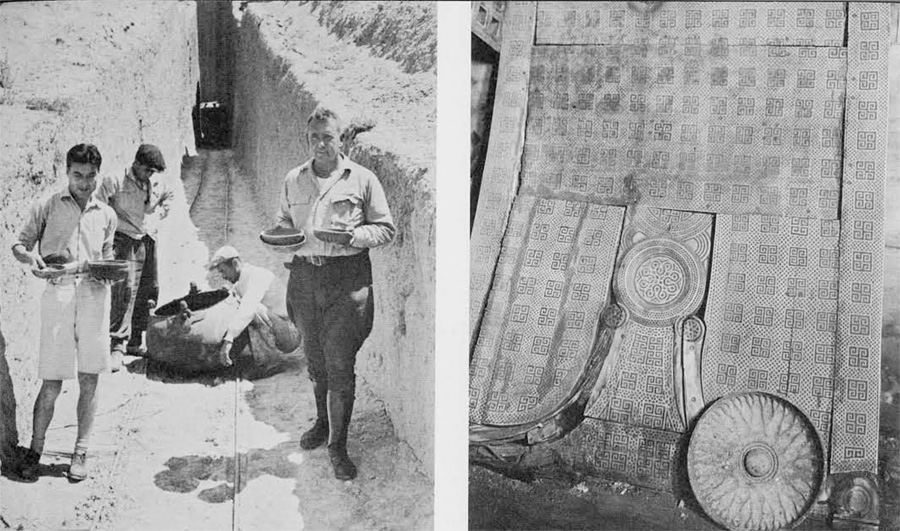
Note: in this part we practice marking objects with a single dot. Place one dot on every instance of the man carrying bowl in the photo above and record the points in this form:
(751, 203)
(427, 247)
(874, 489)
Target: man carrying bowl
(342, 209)
(134, 195)
(74, 307)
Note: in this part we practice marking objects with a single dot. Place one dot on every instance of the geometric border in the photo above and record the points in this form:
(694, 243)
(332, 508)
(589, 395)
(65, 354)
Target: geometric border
(857, 384)
(500, 179)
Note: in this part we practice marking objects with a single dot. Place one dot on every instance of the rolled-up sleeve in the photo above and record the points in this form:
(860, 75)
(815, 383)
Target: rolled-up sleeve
(106, 189)
(378, 228)
(158, 187)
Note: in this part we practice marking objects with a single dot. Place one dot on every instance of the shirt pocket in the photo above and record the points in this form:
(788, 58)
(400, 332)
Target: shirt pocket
(346, 209)
(299, 199)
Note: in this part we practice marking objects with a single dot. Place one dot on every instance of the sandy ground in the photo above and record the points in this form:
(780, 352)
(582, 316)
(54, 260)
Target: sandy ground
(219, 452)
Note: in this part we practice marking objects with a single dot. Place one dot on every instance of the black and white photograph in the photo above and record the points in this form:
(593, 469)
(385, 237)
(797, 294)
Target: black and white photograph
(245, 284)
(217, 265)
(684, 265)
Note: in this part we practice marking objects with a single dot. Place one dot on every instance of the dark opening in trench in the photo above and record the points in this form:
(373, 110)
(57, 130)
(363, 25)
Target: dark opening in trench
(213, 109)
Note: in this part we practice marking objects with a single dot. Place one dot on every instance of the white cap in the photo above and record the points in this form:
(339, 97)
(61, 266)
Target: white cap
(224, 253)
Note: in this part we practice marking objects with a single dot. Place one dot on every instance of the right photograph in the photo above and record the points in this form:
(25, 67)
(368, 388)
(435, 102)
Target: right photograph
(685, 283)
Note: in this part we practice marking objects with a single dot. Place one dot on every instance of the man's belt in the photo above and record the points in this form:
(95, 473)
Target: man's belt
(320, 261)
(317, 261)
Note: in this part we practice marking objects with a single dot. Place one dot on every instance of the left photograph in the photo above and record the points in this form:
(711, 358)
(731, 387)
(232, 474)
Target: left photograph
(217, 264)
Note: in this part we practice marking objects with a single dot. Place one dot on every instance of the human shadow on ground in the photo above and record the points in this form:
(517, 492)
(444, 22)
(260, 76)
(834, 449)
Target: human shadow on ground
(11, 471)
(243, 368)
(184, 474)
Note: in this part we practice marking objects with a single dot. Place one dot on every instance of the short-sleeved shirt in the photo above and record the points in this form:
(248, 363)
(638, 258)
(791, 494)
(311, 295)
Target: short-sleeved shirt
(131, 200)
(352, 198)
(58, 225)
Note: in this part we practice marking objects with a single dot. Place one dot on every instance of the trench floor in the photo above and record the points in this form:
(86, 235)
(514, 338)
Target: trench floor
(221, 451)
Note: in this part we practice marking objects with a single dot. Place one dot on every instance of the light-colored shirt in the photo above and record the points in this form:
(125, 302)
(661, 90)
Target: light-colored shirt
(131, 199)
(352, 198)
(255, 287)
(58, 225)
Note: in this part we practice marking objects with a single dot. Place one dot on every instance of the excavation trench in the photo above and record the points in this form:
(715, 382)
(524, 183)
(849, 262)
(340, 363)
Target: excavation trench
(219, 451)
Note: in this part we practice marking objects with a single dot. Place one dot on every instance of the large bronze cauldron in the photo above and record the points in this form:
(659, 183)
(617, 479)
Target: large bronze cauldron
(186, 333)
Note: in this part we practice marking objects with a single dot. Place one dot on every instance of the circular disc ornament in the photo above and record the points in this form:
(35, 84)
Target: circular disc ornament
(755, 462)
(659, 281)
(692, 329)
(614, 316)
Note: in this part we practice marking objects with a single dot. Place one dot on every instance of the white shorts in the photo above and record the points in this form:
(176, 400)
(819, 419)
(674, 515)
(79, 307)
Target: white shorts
(74, 328)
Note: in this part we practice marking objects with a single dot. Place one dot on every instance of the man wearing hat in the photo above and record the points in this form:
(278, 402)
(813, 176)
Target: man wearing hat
(262, 305)
(342, 208)
(133, 195)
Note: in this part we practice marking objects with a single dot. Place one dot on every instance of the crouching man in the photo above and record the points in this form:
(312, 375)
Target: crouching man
(134, 195)
(74, 309)
(262, 305)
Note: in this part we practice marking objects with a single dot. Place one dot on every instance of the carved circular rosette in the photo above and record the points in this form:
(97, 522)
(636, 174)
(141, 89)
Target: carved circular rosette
(659, 281)
(614, 316)
(755, 462)
(693, 328)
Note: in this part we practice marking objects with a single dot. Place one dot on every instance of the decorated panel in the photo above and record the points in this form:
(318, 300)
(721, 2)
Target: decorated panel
(857, 389)
(551, 283)
(501, 170)
(658, 23)
(772, 311)
(701, 128)
(660, 278)
(638, 455)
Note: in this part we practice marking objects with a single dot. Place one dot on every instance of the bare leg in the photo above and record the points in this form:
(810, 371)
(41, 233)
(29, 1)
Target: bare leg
(87, 407)
(43, 412)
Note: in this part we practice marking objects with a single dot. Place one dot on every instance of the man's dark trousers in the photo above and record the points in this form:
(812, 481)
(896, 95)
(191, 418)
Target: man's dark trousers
(333, 307)
(130, 311)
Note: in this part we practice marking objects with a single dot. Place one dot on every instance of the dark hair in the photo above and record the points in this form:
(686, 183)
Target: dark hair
(321, 114)
(151, 157)
(83, 154)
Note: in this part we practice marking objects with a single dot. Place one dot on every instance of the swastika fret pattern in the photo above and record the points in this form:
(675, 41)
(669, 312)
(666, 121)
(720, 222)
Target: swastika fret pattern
(502, 165)
(737, 23)
(855, 446)
(642, 456)
(551, 283)
(688, 128)
(772, 311)
(641, 390)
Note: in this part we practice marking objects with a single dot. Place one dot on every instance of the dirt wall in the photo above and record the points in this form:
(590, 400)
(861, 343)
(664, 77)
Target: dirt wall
(286, 64)
(134, 81)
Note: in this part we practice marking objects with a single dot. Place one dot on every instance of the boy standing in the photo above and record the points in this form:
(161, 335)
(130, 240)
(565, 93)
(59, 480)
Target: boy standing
(133, 196)
(74, 309)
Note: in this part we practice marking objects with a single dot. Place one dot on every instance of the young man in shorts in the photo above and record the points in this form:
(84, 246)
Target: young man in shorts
(74, 308)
